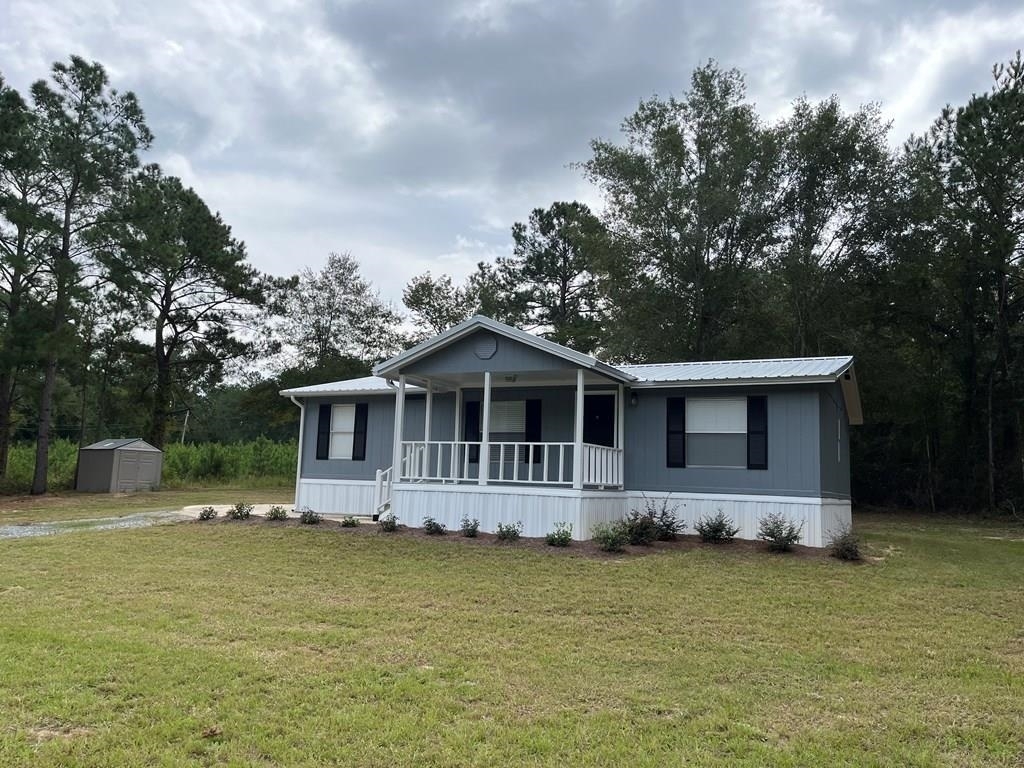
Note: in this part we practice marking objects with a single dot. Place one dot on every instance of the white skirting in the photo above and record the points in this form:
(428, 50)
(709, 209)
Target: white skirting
(540, 508)
(336, 497)
(821, 517)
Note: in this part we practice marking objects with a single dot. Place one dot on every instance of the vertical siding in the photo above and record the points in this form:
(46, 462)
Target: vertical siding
(510, 357)
(336, 498)
(793, 445)
(835, 443)
(380, 419)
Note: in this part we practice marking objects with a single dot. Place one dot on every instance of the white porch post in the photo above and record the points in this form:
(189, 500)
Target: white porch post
(456, 459)
(620, 435)
(577, 451)
(427, 416)
(298, 460)
(485, 447)
(396, 471)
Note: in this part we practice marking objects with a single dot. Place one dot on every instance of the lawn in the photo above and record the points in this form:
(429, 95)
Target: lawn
(70, 505)
(250, 644)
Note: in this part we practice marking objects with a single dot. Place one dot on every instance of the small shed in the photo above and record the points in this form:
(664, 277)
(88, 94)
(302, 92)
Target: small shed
(129, 464)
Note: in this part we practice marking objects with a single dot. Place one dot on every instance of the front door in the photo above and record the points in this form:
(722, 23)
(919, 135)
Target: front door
(599, 420)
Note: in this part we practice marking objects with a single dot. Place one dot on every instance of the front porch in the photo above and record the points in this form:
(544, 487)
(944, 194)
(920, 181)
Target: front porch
(496, 439)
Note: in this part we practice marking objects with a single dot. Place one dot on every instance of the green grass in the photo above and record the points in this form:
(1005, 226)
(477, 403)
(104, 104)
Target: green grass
(260, 462)
(76, 506)
(318, 646)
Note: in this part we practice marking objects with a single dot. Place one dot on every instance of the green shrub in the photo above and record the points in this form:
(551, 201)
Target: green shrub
(276, 512)
(717, 529)
(780, 533)
(308, 517)
(207, 513)
(561, 536)
(240, 511)
(610, 537)
(349, 522)
(433, 528)
(469, 528)
(388, 523)
(845, 544)
(640, 528)
(510, 531)
(667, 525)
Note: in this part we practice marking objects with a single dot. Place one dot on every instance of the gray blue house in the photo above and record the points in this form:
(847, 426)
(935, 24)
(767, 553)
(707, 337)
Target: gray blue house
(490, 422)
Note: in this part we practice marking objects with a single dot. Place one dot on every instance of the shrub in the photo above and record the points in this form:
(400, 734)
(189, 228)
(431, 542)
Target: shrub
(276, 512)
(509, 532)
(640, 528)
(388, 523)
(666, 524)
(207, 513)
(469, 528)
(433, 528)
(610, 537)
(845, 544)
(308, 517)
(716, 529)
(349, 522)
(561, 536)
(241, 511)
(780, 533)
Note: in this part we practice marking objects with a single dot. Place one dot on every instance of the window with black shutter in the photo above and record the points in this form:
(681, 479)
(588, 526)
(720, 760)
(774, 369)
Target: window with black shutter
(359, 433)
(675, 421)
(757, 432)
(323, 432)
(532, 432)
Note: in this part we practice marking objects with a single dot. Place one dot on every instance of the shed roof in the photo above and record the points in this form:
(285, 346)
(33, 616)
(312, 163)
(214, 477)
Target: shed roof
(136, 443)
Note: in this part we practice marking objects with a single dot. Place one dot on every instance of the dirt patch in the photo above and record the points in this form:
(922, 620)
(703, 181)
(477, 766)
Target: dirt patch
(50, 731)
(590, 549)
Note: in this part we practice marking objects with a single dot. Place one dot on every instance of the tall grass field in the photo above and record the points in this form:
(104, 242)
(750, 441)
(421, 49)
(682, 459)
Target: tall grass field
(260, 462)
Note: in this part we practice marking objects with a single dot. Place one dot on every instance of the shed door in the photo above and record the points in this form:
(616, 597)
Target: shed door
(147, 469)
(128, 471)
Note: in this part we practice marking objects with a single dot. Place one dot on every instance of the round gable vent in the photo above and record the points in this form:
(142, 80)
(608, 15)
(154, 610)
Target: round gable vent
(486, 345)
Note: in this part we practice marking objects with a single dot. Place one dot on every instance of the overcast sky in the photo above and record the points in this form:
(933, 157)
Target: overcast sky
(413, 134)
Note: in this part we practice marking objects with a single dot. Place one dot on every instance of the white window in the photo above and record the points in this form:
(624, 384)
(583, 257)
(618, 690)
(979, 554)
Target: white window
(716, 432)
(508, 417)
(343, 427)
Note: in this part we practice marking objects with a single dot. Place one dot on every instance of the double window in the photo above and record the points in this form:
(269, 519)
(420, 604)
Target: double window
(717, 432)
(341, 432)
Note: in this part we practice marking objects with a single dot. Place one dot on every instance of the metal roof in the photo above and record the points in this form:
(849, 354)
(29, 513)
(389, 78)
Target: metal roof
(391, 367)
(367, 385)
(113, 445)
(776, 370)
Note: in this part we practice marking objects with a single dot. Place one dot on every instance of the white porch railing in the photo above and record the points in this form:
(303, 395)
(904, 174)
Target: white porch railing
(602, 466)
(448, 461)
(382, 490)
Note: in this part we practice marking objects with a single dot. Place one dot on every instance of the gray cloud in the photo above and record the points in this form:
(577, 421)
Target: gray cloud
(414, 134)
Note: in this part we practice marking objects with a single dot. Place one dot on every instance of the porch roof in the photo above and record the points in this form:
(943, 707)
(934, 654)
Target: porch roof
(391, 368)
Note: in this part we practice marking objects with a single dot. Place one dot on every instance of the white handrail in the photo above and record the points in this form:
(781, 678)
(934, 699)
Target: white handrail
(382, 490)
(455, 461)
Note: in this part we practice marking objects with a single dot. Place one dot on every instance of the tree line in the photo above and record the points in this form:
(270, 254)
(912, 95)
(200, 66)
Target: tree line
(125, 301)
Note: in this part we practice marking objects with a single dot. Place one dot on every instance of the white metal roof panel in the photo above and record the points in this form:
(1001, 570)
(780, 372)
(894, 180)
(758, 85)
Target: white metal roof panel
(367, 385)
(778, 369)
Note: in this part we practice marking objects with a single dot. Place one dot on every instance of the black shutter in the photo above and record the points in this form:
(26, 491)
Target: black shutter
(757, 432)
(533, 430)
(675, 423)
(471, 429)
(323, 432)
(359, 433)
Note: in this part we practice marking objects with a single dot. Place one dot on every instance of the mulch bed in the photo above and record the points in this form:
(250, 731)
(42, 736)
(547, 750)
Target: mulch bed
(576, 548)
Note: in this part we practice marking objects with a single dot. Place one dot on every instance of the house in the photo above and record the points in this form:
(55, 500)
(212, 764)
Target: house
(490, 422)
